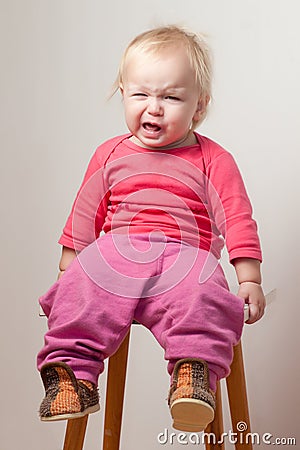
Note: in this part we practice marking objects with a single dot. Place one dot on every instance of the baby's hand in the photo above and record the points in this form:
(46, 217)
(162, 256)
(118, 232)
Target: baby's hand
(253, 294)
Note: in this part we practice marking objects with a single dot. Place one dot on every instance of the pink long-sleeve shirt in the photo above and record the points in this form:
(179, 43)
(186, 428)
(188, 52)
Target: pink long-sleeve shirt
(194, 194)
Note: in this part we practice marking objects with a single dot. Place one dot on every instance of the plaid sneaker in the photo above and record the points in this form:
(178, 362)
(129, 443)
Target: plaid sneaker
(191, 402)
(66, 397)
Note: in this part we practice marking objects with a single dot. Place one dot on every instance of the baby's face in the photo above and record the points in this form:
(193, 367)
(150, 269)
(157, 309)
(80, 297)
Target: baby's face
(161, 98)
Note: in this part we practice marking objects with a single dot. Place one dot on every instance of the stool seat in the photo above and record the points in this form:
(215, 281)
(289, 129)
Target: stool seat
(116, 377)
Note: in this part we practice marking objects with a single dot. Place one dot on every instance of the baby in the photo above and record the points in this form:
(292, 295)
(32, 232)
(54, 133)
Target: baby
(144, 239)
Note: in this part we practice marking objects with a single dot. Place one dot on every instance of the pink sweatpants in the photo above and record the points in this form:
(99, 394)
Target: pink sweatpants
(177, 291)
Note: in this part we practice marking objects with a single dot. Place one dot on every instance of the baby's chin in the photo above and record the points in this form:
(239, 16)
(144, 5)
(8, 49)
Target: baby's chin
(159, 143)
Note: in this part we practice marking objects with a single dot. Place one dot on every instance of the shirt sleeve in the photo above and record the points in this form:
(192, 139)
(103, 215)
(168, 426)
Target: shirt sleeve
(89, 209)
(231, 208)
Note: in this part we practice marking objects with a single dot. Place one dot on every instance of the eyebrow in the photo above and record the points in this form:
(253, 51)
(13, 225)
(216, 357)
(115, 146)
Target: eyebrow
(167, 88)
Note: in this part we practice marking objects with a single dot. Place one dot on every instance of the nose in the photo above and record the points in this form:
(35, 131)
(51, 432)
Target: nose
(155, 106)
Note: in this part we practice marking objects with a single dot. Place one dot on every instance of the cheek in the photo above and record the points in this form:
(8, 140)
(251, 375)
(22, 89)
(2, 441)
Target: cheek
(132, 117)
(128, 111)
(183, 116)
(132, 110)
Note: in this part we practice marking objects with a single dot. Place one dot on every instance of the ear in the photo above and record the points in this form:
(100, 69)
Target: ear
(121, 88)
(198, 112)
(201, 106)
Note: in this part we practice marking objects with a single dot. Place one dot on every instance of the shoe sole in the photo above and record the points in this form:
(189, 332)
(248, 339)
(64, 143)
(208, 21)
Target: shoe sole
(90, 410)
(190, 414)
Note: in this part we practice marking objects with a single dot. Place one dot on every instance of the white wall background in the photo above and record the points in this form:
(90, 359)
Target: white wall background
(58, 61)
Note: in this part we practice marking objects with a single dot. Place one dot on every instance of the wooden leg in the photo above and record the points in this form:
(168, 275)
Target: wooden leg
(75, 433)
(215, 429)
(237, 397)
(114, 396)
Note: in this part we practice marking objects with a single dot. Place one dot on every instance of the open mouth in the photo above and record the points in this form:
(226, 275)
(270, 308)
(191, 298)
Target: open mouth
(151, 127)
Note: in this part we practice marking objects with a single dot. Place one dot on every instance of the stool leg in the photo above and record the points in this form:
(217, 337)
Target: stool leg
(75, 433)
(213, 432)
(237, 397)
(114, 396)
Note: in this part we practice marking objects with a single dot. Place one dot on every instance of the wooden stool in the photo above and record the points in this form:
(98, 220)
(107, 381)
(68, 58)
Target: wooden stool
(237, 397)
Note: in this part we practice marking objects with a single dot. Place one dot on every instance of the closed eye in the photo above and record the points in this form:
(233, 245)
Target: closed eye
(172, 97)
(139, 94)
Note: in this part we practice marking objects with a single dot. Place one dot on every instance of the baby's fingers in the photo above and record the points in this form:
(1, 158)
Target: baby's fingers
(256, 311)
(253, 294)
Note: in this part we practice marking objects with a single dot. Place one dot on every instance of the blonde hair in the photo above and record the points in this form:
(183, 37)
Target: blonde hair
(160, 38)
